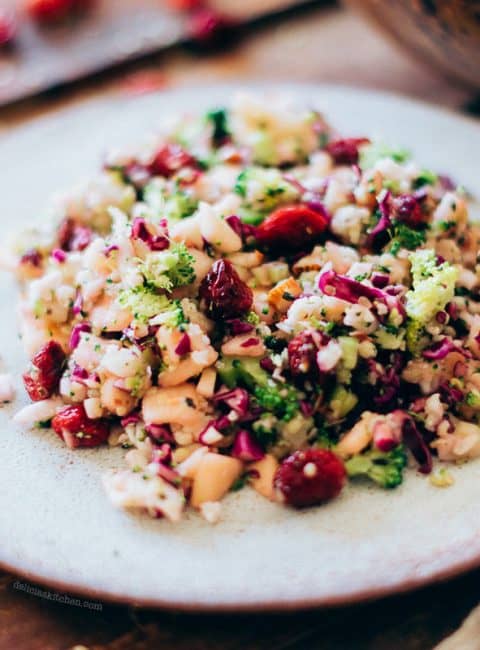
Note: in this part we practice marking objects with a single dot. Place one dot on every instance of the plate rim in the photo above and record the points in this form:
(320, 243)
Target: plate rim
(448, 570)
(271, 606)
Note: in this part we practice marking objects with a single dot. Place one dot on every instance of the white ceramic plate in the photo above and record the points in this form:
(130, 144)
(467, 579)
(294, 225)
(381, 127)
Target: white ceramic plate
(56, 525)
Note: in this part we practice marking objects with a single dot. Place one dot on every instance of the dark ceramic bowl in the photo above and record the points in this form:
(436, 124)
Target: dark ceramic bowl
(445, 33)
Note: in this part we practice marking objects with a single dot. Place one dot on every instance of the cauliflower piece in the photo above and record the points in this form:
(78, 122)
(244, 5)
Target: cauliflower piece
(216, 231)
(348, 221)
(304, 311)
(264, 189)
(277, 131)
(462, 444)
(90, 202)
(144, 491)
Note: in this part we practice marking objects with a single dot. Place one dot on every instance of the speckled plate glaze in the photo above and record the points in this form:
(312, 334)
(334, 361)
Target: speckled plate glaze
(56, 525)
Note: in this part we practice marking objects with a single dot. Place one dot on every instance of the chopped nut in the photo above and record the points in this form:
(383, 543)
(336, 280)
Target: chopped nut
(282, 296)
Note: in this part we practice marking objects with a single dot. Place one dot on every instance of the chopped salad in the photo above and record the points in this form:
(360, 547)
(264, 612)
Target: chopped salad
(253, 299)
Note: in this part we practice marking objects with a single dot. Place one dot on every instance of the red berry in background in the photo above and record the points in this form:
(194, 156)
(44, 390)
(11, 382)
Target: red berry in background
(345, 151)
(8, 26)
(302, 355)
(408, 210)
(77, 430)
(170, 159)
(49, 11)
(42, 378)
(292, 227)
(225, 294)
(185, 5)
(209, 29)
(310, 477)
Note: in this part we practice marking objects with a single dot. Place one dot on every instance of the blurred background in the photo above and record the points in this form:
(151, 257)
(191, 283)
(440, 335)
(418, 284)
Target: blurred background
(424, 48)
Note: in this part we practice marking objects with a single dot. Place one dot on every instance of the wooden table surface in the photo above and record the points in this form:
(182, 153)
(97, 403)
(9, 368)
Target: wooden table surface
(323, 45)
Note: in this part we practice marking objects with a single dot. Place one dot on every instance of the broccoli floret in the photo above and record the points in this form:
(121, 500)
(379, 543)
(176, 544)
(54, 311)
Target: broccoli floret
(372, 153)
(172, 317)
(284, 435)
(179, 205)
(406, 237)
(264, 189)
(342, 402)
(326, 436)
(218, 117)
(278, 398)
(389, 337)
(172, 206)
(384, 468)
(433, 288)
(247, 372)
(472, 399)
(170, 268)
(266, 430)
(143, 302)
(426, 177)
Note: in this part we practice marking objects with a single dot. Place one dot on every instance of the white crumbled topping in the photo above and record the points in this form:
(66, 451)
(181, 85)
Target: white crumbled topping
(300, 313)
(140, 491)
(122, 362)
(360, 318)
(329, 356)
(434, 410)
(348, 221)
(211, 511)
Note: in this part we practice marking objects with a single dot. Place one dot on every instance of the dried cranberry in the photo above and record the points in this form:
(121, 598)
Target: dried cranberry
(169, 159)
(77, 430)
(310, 477)
(72, 236)
(8, 26)
(345, 151)
(224, 293)
(302, 355)
(291, 228)
(42, 378)
(237, 326)
(408, 210)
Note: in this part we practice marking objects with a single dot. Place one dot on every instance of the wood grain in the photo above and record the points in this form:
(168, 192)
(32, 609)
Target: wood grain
(412, 622)
(322, 46)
